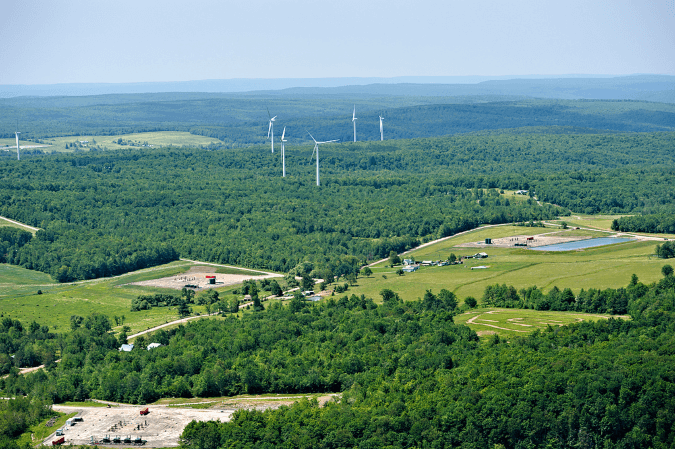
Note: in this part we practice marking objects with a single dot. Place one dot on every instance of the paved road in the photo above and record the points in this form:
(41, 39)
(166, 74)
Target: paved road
(433, 242)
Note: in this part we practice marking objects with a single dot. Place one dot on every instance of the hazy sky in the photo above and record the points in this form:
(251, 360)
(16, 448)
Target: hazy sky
(73, 41)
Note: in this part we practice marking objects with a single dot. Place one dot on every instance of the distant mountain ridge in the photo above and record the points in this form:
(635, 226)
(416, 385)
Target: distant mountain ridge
(659, 88)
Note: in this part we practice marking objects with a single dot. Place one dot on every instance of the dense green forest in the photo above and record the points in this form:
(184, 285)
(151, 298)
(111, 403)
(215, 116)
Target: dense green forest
(408, 375)
(652, 223)
(239, 120)
(108, 213)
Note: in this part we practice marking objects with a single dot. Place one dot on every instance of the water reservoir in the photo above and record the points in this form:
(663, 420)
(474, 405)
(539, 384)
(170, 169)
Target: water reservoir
(583, 244)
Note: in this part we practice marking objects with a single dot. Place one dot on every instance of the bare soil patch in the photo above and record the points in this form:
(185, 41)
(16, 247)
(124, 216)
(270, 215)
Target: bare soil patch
(197, 276)
(160, 428)
(536, 240)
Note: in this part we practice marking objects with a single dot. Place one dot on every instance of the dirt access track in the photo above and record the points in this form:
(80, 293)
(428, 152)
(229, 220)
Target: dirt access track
(161, 427)
(197, 276)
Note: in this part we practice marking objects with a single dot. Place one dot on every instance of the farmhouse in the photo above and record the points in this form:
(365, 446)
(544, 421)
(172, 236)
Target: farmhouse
(153, 346)
(408, 261)
(410, 268)
(126, 348)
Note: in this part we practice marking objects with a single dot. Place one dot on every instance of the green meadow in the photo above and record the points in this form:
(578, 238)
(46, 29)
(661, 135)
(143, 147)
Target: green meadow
(19, 298)
(129, 141)
(517, 322)
(600, 267)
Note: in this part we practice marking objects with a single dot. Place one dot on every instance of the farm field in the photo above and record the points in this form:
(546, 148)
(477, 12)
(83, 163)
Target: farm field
(19, 298)
(129, 141)
(600, 267)
(518, 322)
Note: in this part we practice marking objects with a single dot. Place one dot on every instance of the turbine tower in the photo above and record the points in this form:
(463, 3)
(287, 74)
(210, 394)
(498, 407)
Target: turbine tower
(18, 156)
(283, 154)
(270, 130)
(381, 129)
(354, 122)
(316, 149)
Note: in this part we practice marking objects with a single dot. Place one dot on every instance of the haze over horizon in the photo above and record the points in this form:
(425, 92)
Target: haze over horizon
(170, 41)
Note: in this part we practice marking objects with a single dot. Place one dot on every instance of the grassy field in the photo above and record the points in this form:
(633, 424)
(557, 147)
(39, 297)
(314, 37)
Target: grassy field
(514, 322)
(38, 432)
(600, 267)
(136, 140)
(19, 297)
(5, 222)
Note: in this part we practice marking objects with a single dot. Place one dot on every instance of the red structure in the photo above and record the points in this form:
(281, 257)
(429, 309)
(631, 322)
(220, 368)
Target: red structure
(59, 441)
(145, 411)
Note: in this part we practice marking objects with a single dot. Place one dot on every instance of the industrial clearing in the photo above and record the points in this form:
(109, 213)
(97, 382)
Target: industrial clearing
(161, 427)
(205, 275)
(538, 240)
(122, 425)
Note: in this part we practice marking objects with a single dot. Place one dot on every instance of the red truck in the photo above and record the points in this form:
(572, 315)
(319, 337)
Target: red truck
(145, 411)
(59, 441)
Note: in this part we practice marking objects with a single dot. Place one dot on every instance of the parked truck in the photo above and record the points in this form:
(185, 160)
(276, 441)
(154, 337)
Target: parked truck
(59, 441)
(145, 411)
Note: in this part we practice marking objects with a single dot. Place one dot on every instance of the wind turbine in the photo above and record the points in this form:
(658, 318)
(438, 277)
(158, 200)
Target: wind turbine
(316, 149)
(270, 130)
(354, 122)
(381, 129)
(18, 157)
(283, 153)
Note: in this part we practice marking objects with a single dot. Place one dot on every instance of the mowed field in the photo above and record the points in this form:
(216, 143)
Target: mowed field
(517, 322)
(136, 140)
(600, 267)
(19, 297)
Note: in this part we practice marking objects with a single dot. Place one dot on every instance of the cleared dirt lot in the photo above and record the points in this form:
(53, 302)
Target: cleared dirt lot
(510, 242)
(197, 276)
(161, 427)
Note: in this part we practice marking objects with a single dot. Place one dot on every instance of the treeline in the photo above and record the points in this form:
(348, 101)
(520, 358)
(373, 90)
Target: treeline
(302, 348)
(17, 415)
(611, 301)
(21, 347)
(654, 224)
(11, 239)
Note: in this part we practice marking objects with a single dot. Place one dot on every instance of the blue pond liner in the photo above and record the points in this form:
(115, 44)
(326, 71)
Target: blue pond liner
(582, 244)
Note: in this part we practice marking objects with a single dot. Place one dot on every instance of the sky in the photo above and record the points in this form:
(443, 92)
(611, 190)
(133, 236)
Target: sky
(123, 41)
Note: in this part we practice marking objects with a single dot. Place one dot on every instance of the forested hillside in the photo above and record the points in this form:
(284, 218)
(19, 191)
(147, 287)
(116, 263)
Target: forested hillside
(107, 213)
(408, 375)
(241, 120)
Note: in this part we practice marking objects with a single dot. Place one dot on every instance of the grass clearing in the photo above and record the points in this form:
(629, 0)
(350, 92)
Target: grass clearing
(111, 296)
(510, 323)
(38, 432)
(242, 271)
(129, 141)
(599, 267)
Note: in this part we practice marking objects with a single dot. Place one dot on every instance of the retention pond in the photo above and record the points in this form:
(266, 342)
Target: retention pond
(583, 244)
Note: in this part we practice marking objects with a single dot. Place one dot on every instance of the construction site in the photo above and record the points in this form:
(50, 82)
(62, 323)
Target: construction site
(128, 426)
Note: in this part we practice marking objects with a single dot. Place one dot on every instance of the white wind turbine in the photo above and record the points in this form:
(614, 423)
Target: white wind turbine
(381, 129)
(354, 122)
(18, 157)
(316, 149)
(283, 154)
(270, 130)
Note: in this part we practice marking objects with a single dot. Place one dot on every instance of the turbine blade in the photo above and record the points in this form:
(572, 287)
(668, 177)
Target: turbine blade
(283, 134)
(268, 113)
(269, 129)
(310, 135)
